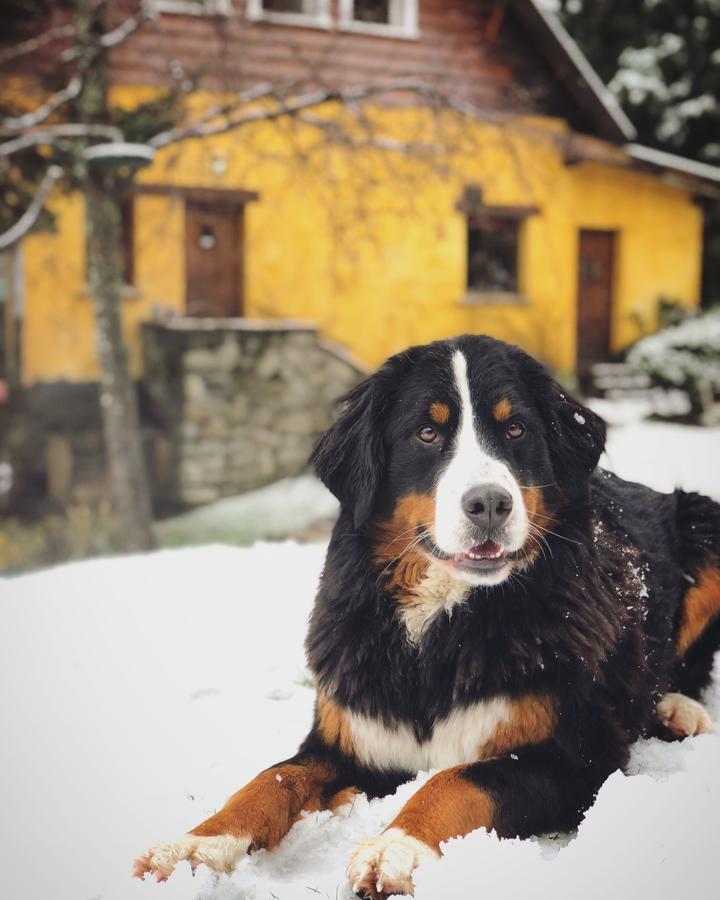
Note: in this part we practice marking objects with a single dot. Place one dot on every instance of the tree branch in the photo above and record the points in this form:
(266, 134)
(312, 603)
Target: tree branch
(32, 213)
(35, 43)
(290, 107)
(119, 34)
(53, 133)
(30, 119)
(339, 135)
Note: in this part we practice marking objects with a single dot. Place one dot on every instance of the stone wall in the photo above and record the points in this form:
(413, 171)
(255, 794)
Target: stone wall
(240, 402)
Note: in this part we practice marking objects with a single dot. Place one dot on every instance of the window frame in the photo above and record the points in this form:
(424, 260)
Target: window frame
(320, 18)
(475, 211)
(11, 319)
(408, 30)
(127, 225)
(193, 7)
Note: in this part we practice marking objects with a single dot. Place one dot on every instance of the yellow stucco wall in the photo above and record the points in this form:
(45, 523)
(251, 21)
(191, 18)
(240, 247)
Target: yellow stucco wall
(377, 258)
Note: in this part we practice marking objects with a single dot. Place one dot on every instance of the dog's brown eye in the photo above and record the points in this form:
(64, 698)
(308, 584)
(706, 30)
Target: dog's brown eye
(515, 430)
(428, 435)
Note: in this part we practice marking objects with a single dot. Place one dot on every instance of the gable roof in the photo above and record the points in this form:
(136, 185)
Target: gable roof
(573, 70)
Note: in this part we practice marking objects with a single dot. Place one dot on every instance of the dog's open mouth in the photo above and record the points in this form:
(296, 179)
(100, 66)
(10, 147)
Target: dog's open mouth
(481, 556)
(486, 557)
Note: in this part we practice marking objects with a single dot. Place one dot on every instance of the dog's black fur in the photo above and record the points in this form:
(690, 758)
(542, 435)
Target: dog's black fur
(593, 620)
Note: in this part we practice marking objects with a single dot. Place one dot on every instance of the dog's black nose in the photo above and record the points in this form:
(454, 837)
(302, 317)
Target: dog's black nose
(488, 505)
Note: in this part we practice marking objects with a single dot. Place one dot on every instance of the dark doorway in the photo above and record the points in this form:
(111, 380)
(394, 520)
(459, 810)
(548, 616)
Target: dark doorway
(213, 258)
(594, 304)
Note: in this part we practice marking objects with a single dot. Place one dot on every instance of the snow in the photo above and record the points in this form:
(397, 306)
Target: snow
(642, 75)
(288, 506)
(139, 692)
(658, 454)
(686, 353)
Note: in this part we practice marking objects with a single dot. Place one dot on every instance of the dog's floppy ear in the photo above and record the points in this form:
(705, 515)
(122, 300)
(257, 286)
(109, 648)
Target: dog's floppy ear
(577, 438)
(349, 457)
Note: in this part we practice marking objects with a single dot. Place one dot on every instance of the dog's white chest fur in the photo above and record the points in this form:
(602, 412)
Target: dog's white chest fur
(437, 592)
(454, 740)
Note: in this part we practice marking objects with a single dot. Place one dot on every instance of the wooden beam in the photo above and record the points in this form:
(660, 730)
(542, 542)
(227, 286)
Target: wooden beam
(219, 196)
(496, 212)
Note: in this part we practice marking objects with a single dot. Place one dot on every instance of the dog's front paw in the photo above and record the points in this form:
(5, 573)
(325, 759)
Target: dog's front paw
(683, 716)
(383, 865)
(219, 852)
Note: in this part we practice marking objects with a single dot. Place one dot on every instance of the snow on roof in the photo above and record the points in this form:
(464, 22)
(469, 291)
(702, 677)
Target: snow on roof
(675, 163)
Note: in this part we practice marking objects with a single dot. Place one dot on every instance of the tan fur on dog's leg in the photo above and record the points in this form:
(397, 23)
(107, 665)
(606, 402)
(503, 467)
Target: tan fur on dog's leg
(256, 817)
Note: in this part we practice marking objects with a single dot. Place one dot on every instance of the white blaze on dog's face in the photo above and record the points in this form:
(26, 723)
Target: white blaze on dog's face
(455, 459)
(480, 515)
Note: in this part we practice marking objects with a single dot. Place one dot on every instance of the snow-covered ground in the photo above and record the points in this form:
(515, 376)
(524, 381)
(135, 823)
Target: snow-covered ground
(286, 507)
(662, 455)
(137, 693)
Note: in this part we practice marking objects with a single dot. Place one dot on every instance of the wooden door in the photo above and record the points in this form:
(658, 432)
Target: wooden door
(594, 304)
(213, 258)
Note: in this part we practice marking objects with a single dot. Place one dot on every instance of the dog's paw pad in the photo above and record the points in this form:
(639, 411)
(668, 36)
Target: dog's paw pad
(683, 716)
(383, 865)
(219, 852)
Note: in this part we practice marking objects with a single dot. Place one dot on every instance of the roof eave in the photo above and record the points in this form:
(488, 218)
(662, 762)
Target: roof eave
(700, 178)
(669, 161)
(575, 72)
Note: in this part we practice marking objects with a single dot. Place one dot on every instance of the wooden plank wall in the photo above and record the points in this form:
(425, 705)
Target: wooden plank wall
(473, 50)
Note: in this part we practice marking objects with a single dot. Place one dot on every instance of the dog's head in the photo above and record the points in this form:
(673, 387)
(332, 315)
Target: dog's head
(463, 451)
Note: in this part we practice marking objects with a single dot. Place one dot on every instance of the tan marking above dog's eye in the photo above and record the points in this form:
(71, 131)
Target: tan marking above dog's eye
(439, 412)
(428, 435)
(502, 410)
(515, 430)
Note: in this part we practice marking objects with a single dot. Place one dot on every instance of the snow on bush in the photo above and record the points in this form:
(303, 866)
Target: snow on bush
(686, 355)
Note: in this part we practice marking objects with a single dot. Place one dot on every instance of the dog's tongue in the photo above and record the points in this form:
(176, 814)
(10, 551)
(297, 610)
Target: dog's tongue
(488, 550)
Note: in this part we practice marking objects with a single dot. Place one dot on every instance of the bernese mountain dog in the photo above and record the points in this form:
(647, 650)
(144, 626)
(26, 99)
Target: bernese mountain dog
(493, 606)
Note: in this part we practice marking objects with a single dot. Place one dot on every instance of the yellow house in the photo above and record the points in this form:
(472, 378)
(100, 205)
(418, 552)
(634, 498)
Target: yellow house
(533, 217)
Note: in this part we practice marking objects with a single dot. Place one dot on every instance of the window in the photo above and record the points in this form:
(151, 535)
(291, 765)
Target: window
(392, 18)
(494, 235)
(313, 13)
(372, 11)
(492, 255)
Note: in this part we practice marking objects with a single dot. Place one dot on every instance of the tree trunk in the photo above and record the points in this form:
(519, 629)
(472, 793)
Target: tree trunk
(118, 401)
(103, 189)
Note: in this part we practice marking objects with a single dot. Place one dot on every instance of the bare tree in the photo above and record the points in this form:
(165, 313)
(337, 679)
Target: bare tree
(98, 152)
(85, 99)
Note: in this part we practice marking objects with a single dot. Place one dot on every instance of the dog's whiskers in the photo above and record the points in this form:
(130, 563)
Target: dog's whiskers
(561, 536)
(425, 533)
(538, 537)
(412, 528)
